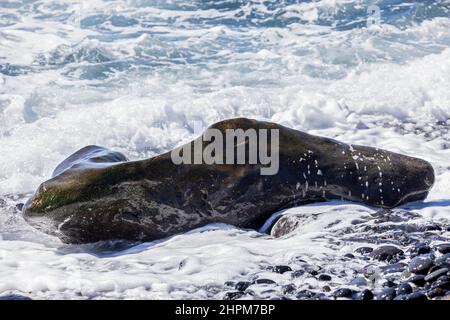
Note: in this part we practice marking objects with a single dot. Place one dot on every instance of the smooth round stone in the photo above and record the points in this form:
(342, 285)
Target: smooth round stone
(387, 253)
(421, 249)
(443, 261)
(418, 280)
(417, 296)
(280, 269)
(263, 281)
(390, 284)
(233, 295)
(393, 268)
(366, 295)
(326, 288)
(436, 292)
(442, 282)
(359, 282)
(306, 294)
(387, 294)
(288, 288)
(343, 293)
(364, 250)
(349, 255)
(404, 288)
(242, 285)
(298, 273)
(324, 277)
(436, 274)
(443, 248)
(420, 264)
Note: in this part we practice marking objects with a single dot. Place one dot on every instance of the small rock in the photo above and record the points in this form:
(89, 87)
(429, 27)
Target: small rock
(324, 277)
(436, 274)
(420, 264)
(305, 294)
(359, 281)
(364, 250)
(443, 248)
(19, 206)
(418, 280)
(389, 284)
(229, 284)
(387, 294)
(366, 295)
(232, 295)
(263, 281)
(349, 255)
(417, 296)
(326, 288)
(288, 288)
(343, 293)
(280, 269)
(436, 292)
(443, 261)
(393, 268)
(421, 249)
(404, 288)
(242, 285)
(297, 273)
(442, 282)
(387, 253)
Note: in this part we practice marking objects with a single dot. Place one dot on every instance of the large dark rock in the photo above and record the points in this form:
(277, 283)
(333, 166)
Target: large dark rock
(97, 195)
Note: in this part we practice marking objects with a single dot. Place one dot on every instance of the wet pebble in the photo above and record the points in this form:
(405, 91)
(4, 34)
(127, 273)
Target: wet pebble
(349, 255)
(420, 249)
(443, 261)
(387, 294)
(436, 274)
(420, 264)
(359, 282)
(443, 248)
(417, 296)
(288, 288)
(364, 250)
(242, 285)
(366, 295)
(324, 277)
(263, 281)
(404, 288)
(297, 273)
(436, 292)
(232, 295)
(418, 280)
(280, 269)
(393, 268)
(387, 253)
(343, 293)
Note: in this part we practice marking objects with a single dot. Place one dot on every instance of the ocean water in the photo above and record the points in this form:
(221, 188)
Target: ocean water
(136, 75)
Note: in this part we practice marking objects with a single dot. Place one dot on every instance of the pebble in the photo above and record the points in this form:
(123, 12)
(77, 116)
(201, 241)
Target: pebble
(420, 264)
(343, 293)
(263, 281)
(418, 280)
(389, 284)
(364, 250)
(436, 274)
(393, 268)
(421, 249)
(324, 277)
(297, 273)
(442, 282)
(359, 281)
(19, 206)
(280, 269)
(404, 288)
(443, 248)
(326, 288)
(417, 296)
(366, 295)
(242, 285)
(306, 294)
(233, 295)
(436, 292)
(387, 294)
(443, 261)
(387, 253)
(349, 255)
(288, 288)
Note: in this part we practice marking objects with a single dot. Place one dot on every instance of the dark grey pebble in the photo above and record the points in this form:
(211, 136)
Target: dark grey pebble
(263, 281)
(14, 297)
(305, 294)
(364, 250)
(443, 261)
(387, 294)
(421, 249)
(418, 280)
(297, 273)
(436, 274)
(366, 295)
(242, 285)
(359, 281)
(326, 288)
(443, 248)
(420, 264)
(343, 293)
(404, 288)
(393, 268)
(288, 288)
(389, 284)
(229, 283)
(19, 206)
(417, 296)
(442, 282)
(430, 227)
(324, 277)
(280, 269)
(436, 292)
(233, 295)
(349, 255)
(387, 253)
